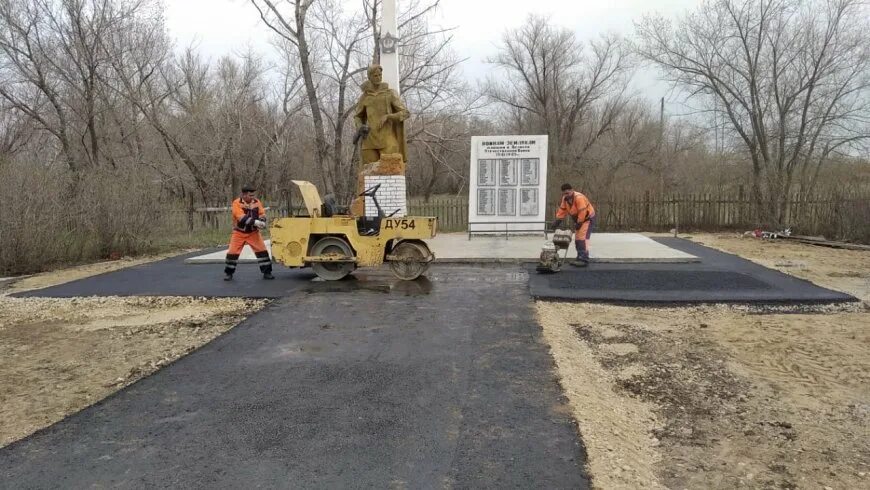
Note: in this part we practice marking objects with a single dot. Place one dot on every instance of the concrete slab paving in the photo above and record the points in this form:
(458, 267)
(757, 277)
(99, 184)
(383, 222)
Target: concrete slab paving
(625, 248)
(340, 387)
(458, 248)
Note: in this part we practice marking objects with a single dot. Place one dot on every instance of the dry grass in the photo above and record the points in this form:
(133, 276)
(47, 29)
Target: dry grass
(53, 222)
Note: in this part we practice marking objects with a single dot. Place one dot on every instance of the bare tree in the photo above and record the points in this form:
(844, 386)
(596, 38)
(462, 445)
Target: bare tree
(554, 83)
(291, 24)
(339, 44)
(52, 62)
(156, 83)
(791, 77)
(343, 45)
(16, 131)
(443, 104)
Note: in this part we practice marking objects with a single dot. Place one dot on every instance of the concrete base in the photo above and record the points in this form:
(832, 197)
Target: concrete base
(603, 247)
(457, 248)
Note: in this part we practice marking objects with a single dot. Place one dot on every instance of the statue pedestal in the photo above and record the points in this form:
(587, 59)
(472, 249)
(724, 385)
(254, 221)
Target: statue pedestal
(392, 195)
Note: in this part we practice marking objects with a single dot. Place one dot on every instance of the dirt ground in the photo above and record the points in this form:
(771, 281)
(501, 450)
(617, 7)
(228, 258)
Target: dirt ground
(58, 356)
(724, 396)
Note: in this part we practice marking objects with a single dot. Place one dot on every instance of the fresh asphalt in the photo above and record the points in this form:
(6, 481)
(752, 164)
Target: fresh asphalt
(371, 383)
(368, 382)
(718, 277)
(172, 277)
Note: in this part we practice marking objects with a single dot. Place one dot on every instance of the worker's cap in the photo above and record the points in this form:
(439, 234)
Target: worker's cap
(249, 188)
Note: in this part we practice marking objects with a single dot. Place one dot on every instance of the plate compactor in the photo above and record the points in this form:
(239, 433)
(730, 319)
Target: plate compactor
(334, 243)
(550, 260)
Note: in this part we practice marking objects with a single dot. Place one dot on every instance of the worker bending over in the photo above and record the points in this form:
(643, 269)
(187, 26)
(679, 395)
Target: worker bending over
(249, 217)
(577, 206)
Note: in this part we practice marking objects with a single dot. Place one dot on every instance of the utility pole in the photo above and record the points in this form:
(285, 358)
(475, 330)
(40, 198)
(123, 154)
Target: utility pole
(661, 148)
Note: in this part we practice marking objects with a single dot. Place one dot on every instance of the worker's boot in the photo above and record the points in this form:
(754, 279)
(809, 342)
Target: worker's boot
(268, 275)
(582, 254)
(228, 277)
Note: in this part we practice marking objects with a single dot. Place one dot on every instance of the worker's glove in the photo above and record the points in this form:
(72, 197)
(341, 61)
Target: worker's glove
(260, 224)
(555, 224)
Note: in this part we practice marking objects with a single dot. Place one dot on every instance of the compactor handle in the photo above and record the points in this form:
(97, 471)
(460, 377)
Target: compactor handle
(371, 191)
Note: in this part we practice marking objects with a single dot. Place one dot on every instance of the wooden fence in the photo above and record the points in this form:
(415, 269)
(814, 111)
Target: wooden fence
(452, 212)
(834, 216)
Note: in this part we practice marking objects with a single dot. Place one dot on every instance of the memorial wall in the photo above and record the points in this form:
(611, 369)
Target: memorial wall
(508, 183)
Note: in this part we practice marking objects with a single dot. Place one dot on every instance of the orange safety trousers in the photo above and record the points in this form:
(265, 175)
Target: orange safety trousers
(238, 240)
(585, 230)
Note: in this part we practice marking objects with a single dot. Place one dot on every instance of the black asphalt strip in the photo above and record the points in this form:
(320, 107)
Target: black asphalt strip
(719, 277)
(444, 384)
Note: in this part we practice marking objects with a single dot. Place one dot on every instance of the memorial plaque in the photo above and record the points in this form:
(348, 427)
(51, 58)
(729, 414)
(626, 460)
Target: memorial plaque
(507, 189)
(486, 202)
(507, 172)
(529, 171)
(529, 202)
(507, 202)
(485, 172)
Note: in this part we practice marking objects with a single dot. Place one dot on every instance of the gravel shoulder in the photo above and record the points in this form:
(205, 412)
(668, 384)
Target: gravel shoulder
(720, 396)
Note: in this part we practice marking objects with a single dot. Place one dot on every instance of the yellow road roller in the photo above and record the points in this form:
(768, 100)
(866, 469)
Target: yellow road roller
(334, 243)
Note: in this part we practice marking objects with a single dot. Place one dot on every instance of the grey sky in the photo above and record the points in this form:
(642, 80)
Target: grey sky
(225, 26)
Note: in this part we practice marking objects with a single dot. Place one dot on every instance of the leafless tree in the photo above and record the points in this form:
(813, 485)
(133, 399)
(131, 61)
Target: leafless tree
(291, 23)
(52, 61)
(16, 131)
(791, 77)
(334, 44)
(443, 104)
(556, 84)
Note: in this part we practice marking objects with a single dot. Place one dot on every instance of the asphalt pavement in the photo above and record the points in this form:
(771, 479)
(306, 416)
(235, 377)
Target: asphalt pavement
(172, 277)
(367, 383)
(718, 277)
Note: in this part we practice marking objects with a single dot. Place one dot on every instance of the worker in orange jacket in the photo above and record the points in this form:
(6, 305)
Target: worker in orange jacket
(249, 217)
(578, 207)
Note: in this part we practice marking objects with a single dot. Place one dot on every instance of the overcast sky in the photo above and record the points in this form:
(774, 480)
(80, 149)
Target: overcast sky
(218, 27)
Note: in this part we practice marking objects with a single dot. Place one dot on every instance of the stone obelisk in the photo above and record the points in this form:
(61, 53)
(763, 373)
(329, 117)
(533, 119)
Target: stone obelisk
(390, 41)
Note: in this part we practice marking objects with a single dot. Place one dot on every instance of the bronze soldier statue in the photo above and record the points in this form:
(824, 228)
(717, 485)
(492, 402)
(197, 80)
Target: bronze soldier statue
(379, 118)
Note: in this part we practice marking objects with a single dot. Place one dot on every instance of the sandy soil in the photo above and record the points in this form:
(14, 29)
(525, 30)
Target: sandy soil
(724, 396)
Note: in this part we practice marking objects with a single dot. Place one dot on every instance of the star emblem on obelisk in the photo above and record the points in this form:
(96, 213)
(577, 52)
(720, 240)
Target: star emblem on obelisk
(389, 43)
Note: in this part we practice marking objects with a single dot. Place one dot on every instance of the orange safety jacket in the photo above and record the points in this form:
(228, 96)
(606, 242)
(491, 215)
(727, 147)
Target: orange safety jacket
(579, 207)
(244, 215)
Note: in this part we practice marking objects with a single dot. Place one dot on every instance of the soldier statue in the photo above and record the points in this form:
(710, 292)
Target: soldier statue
(379, 118)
